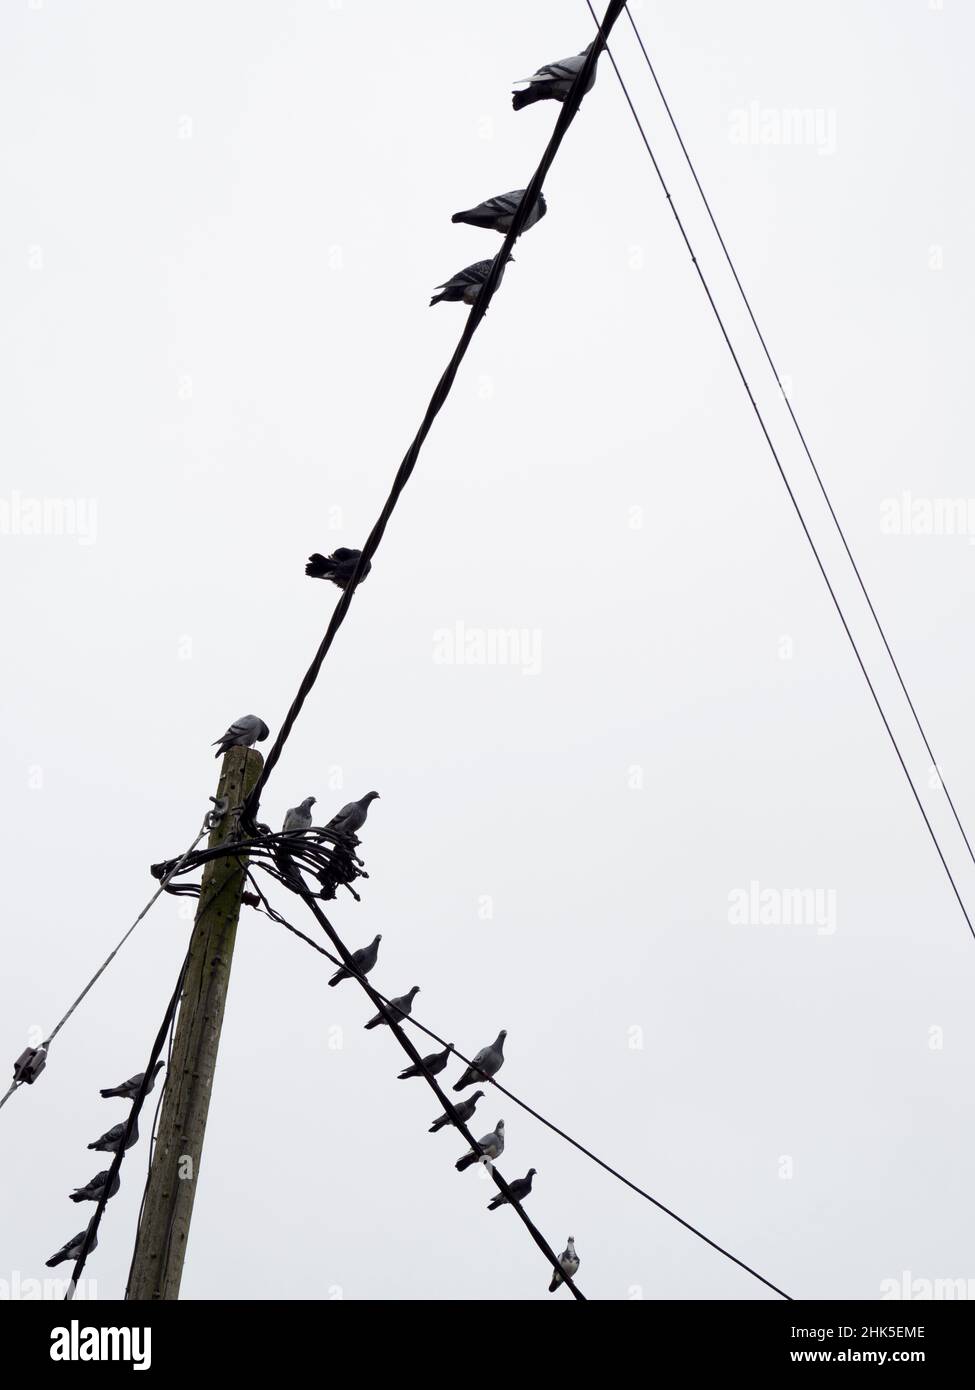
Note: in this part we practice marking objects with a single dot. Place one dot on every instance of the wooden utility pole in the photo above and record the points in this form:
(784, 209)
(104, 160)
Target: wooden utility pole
(157, 1266)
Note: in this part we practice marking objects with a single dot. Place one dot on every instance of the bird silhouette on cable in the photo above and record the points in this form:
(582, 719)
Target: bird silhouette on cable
(568, 1265)
(111, 1140)
(399, 1007)
(497, 214)
(491, 1146)
(464, 1109)
(466, 285)
(128, 1090)
(487, 1062)
(352, 817)
(339, 567)
(243, 733)
(92, 1191)
(71, 1249)
(428, 1066)
(363, 960)
(553, 82)
(520, 1189)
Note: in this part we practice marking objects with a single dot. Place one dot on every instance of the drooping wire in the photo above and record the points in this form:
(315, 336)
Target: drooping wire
(799, 432)
(481, 304)
(523, 1105)
(788, 487)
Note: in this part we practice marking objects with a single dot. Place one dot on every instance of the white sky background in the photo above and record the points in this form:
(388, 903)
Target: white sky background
(225, 343)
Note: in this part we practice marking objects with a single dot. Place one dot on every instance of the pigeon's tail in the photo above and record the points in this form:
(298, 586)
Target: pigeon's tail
(465, 1080)
(320, 567)
(474, 218)
(223, 745)
(464, 1163)
(407, 1072)
(57, 1259)
(338, 977)
(437, 299)
(556, 1281)
(374, 1023)
(440, 1123)
(96, 1144)
(110, 1091)
(79, 1196)
(496, 1202)
(537, 92)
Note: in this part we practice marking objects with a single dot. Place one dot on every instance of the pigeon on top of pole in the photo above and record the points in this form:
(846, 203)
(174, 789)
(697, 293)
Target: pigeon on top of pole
(243, 733)
(128, 1090)
(339, 567)
(553, 82)
(520, 1189)
(363, 960)
(465, 1111)
(488, 1061)
(497, 214)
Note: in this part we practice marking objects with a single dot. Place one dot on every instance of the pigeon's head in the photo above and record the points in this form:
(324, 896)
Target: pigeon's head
(159, 1064)
(370, 796)
(499, 1127)
(571, 1240)
(414, 991)
(532, 1172)
(265, 731)
(501, 1037)
(308, 802)
(476, 1096)
(378, 937)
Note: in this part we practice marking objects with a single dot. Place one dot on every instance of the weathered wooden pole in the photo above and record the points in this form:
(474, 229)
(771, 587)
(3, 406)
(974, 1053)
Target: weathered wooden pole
(157, 1266)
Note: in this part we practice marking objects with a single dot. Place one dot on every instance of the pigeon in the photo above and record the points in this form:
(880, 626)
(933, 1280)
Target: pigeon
(497, 214)
(298, 819)
(553, 82)
(520, 1189)
(488, 1061)
(130, 1089)
(92, 1191)
(339, 567)
(465, 1111)
(363, 960)
(491, 1146)
(568, 1264)
(71, 1250)
(429, 1066)
(466, 284)
(399, 1008)
(352, 816)
(112, 1138)
(243, 733)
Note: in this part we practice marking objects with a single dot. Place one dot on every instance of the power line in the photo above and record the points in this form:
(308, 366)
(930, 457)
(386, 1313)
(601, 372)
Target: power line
(549, 1124)
(480, 307)
(788, 487)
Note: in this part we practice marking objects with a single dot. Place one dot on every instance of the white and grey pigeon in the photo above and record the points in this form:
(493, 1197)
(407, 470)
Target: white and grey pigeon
(465, 1111)
(71, 1249)
(243, 733)
(520, 1189)
(112, 1138)
(568, 1264)
(92, 1191)
(429, 1066)
(363, 959)
(491, 1146)
(352, 816)
(488, 1061)
(497, 214)
(128, 1090)
(298, 819)
(466, 285)
(399, 1007)
(553, 82)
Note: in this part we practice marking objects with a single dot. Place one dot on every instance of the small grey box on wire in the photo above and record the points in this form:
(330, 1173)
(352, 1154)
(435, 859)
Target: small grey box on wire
(29, 1065)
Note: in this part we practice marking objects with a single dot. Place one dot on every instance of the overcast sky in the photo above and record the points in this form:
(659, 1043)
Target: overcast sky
(222, 224)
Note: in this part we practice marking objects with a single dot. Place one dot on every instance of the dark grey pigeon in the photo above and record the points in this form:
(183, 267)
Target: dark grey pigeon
(430, 1066)
(553, 82)
(497, 214)
(520, 1189)
(243, 733)
(491, 1146)
(298, 819)
(364, 959)
(92, 1191)
(488, 1061)
(352, 816)
(72, 1249)
(399, 1007)
(112, 1138)
(466, 285)
(130, 1089)
(465, 1111)
(339, 567)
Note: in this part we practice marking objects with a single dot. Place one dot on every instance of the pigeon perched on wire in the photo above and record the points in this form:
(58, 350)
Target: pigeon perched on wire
(428, 1066)
(112, 1138)
(352, 816)
(298, 819)
(71, 1249)
(466, 285)
(488, 1061)
(92, 1191)
(520, 1189)
(491, 1146)
(243, 733)
(399, 1008)
(497, 214)
(128, 1090)
(553, 82)
(363, 960)
(339, 567)
(465, 1111)
(568, 1264)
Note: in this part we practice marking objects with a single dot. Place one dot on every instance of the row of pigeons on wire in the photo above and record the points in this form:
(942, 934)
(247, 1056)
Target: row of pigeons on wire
(108, 1143)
